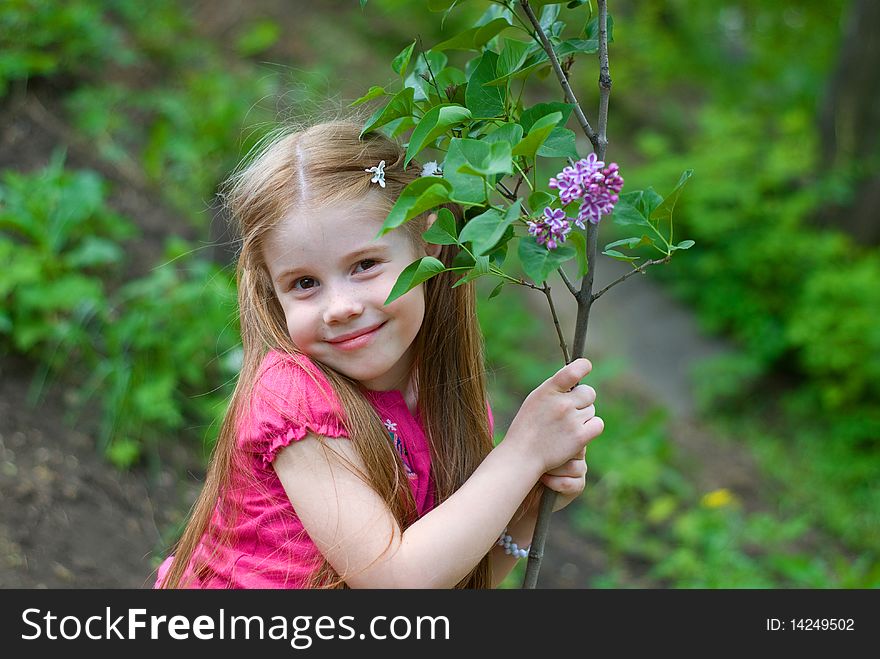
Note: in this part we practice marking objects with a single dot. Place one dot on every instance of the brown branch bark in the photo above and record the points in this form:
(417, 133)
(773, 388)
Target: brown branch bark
(599, 140)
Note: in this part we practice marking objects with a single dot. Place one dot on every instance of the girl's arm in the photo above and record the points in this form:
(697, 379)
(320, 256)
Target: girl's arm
(356, 532)
(568, 481)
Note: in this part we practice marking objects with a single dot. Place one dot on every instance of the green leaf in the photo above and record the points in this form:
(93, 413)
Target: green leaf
(538, 261)
(258, 37)
(579, 241)
(614, 254)
(452, 77)
(375, 92)
(418, 196)
(664, 210)
(413, 275)
(512, 57)
(498, 254)
(444, 230)
(485, 230)
(486, 159)
(462, 260)
(481, 268)
(441, 5)
(483, 101)
(530, 116)
(496, 290)
(475, 37)
(541, 129)
(628, 210)
(586, 46)
(93, 252)
(428, 65)
(435, 122)
(684, 244)
(510, 132)
(539, 200)
(650, 201)
(401, 62)
(591, 32)
(123, 453)
(490, 30)
(630, 243)
(537, 60)
(466, 189)
(561, 143)
(401, 105)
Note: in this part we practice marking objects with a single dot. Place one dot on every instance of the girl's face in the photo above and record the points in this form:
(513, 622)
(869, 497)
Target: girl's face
(332, 275)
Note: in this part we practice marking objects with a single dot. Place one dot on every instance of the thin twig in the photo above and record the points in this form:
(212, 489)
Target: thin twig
(584, 295)
(567, 281)
(604, 80)
(560, 74)
(562, 344)
(640, 270)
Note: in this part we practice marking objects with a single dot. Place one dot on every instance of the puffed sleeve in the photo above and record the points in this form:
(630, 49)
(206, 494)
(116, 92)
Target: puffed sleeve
(290, 399)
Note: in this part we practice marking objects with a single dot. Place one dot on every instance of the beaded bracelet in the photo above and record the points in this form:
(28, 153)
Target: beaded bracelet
(510, 547)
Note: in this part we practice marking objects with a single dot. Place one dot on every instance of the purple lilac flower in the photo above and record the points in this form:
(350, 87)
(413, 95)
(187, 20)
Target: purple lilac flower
(590, 180)
(551, 229)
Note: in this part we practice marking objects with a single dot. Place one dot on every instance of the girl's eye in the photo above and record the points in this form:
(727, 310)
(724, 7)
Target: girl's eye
(307, 283)
(304, 281)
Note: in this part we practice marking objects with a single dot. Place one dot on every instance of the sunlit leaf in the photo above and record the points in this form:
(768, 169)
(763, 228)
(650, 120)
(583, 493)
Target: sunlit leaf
(540, 131)
(415, 274)
(444, 230)
(435, 123)
(401, 62)
(420, 195)
(401, 105)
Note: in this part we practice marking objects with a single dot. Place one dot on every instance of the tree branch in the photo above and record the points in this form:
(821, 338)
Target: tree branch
(567, 281)
(640, 270)
(562, 344)
(560, 74)
(584, 295)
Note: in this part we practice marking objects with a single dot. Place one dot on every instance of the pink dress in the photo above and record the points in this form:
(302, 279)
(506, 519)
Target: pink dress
(268, 546)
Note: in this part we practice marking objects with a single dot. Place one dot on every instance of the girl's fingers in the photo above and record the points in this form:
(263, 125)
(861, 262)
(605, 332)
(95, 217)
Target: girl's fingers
(563, 484)
(584, 394)
(574, 468)
(588, 412)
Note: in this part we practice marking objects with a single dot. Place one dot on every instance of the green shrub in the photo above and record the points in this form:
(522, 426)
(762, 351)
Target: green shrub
(170, 351)
(44, 37)
(58, 239)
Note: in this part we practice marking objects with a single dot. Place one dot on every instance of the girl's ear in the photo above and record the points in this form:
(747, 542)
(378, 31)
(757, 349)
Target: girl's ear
(430, 248)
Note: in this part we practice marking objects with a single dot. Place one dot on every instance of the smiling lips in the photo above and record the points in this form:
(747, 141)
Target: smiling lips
(356, 339)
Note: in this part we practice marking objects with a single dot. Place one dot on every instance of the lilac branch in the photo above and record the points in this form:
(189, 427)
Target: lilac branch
(584, 297)
(640, 270)
(592, 135)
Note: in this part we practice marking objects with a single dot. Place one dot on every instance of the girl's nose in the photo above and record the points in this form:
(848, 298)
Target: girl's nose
(341, 307)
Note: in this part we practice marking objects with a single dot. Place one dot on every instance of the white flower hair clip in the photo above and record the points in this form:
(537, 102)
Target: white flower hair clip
(432, 169)
(378, 173)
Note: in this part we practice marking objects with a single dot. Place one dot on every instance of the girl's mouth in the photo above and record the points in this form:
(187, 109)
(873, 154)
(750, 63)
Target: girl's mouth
(358, 341)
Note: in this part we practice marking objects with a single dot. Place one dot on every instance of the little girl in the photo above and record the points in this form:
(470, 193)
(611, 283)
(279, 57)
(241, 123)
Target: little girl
(357, 448)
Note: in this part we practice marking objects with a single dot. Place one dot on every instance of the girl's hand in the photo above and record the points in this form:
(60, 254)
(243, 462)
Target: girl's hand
(568, 480)
(556, 421)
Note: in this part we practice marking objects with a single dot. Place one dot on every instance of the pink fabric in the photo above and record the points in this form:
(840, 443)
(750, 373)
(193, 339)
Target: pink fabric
(269, 547)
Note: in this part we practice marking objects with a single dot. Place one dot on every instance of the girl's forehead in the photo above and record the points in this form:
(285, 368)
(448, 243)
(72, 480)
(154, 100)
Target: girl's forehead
(360, 217)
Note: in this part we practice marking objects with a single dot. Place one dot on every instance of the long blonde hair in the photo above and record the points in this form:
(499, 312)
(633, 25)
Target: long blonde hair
(326, 163)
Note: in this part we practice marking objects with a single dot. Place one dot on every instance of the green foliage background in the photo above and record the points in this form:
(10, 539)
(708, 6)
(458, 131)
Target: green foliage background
(730, 90)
